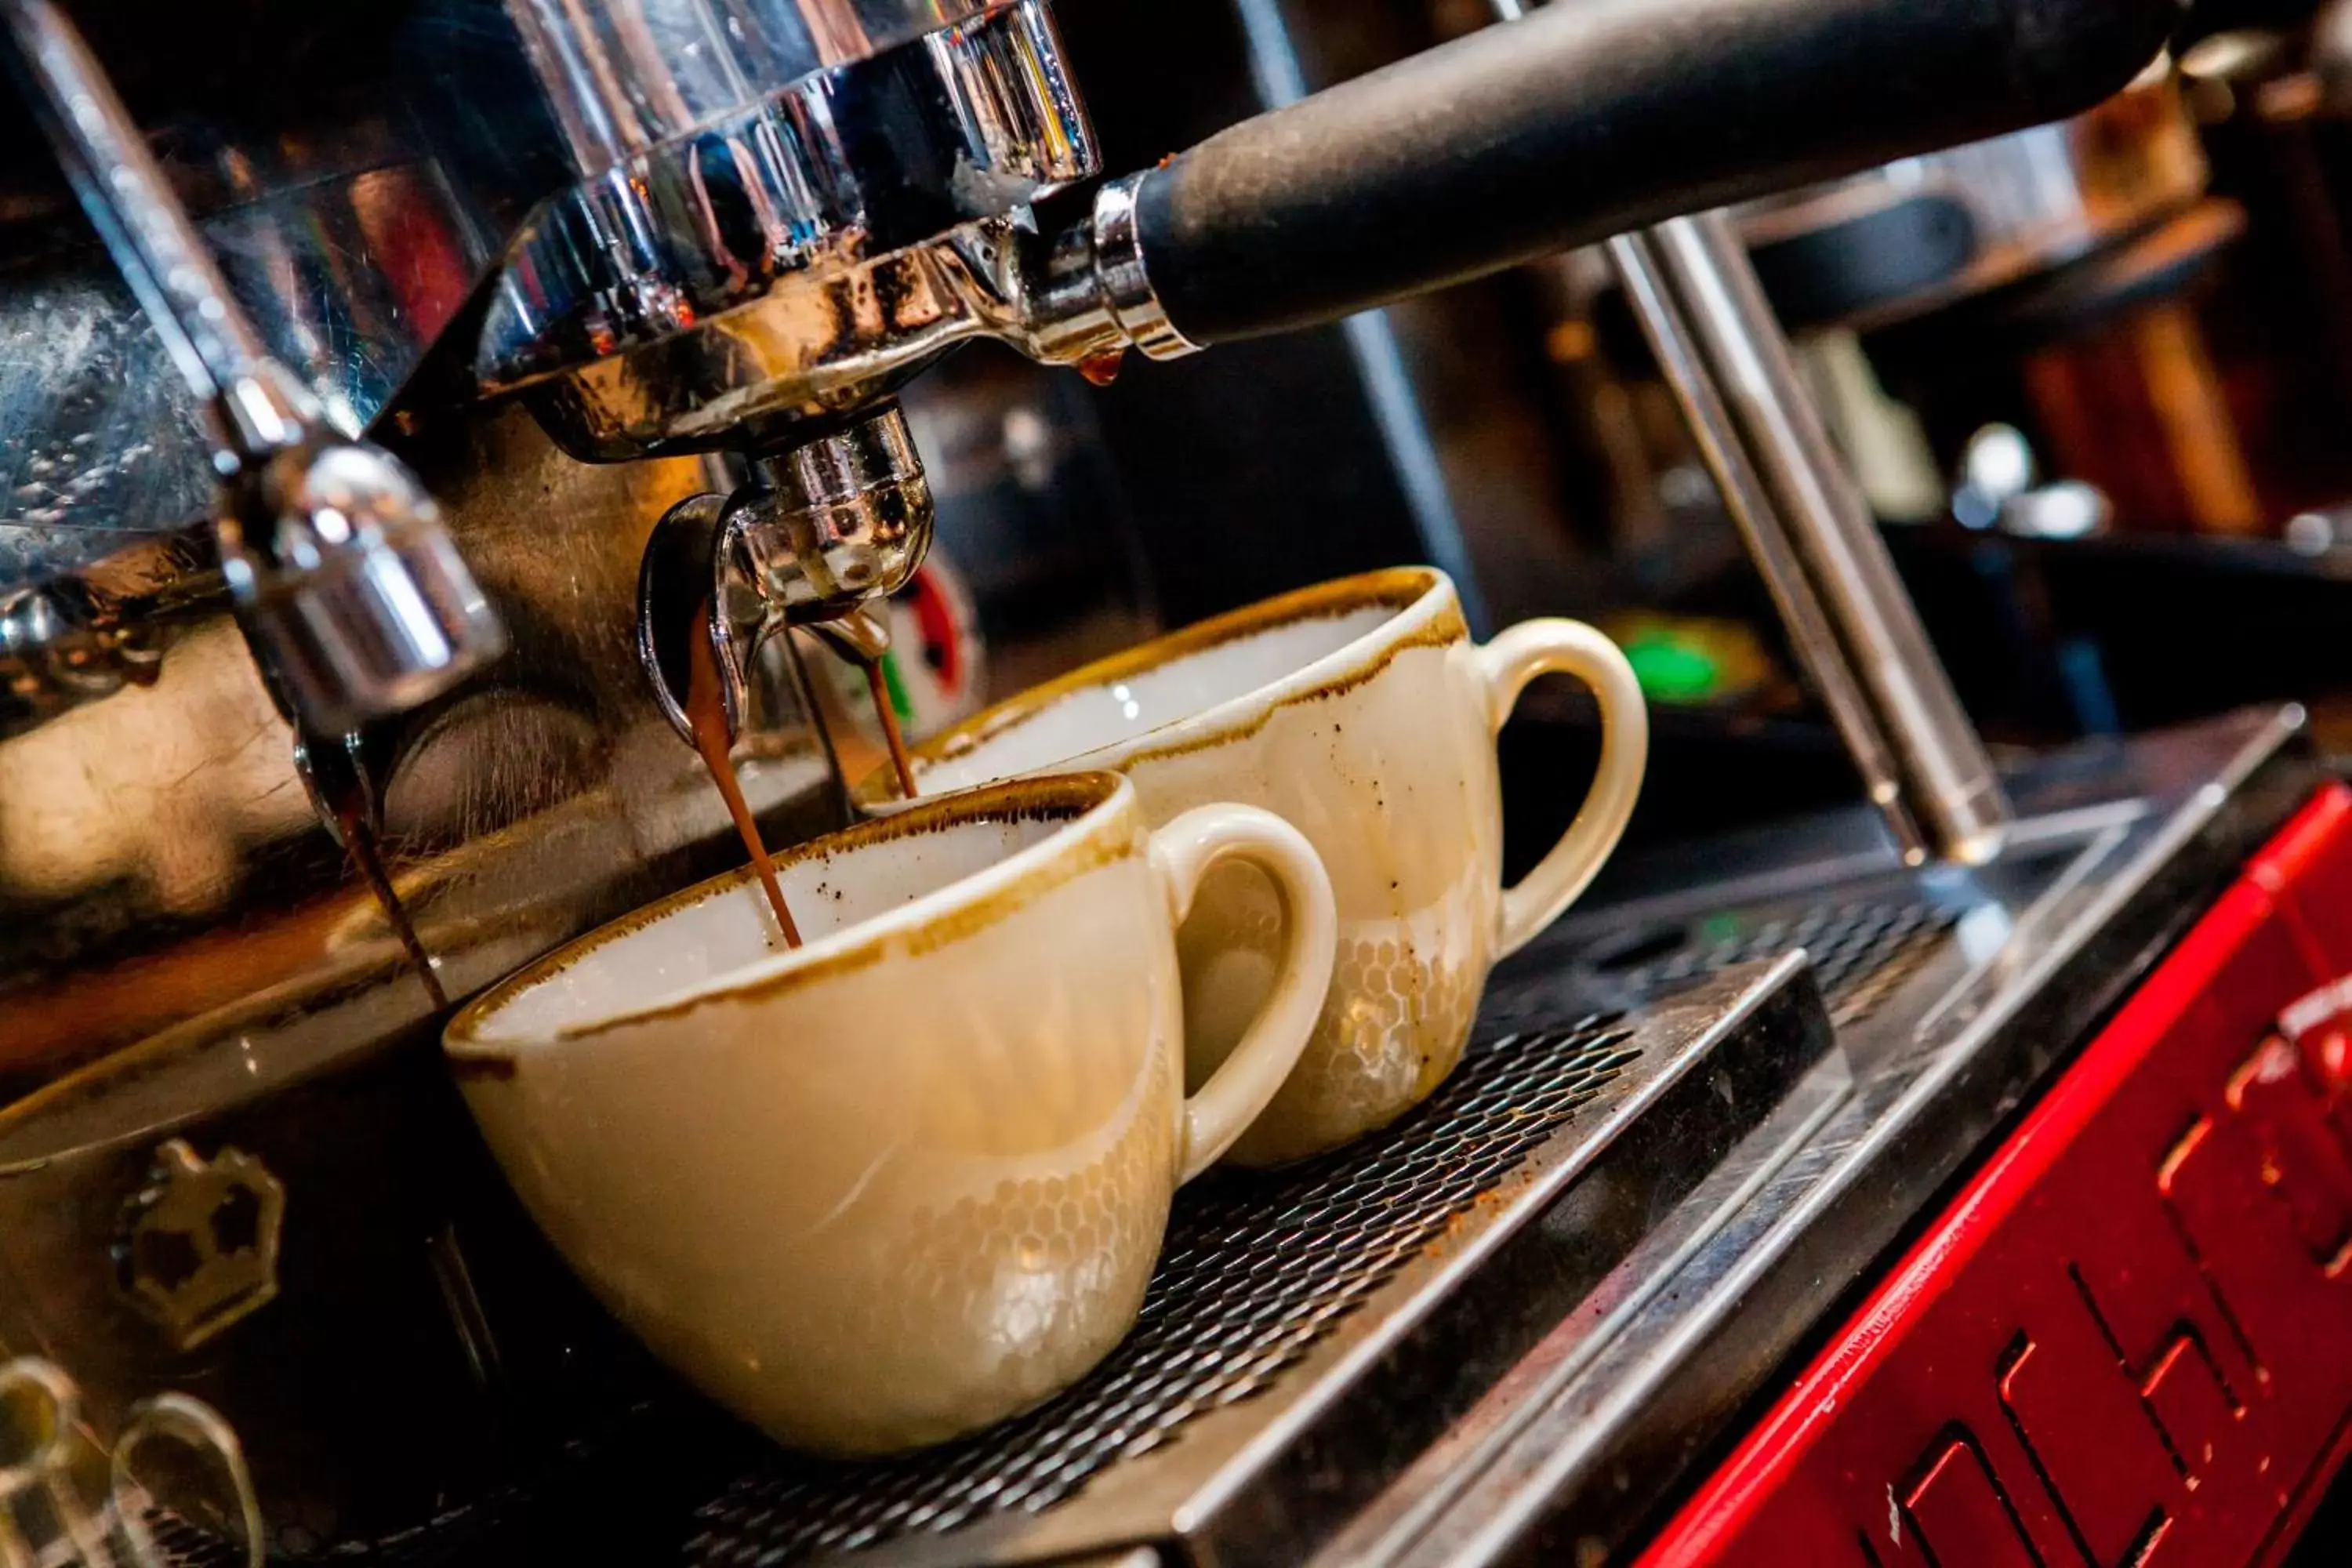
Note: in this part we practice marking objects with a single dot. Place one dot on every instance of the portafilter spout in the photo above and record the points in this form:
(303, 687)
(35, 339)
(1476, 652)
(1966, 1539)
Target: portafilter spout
(345, 581)
(826, 527)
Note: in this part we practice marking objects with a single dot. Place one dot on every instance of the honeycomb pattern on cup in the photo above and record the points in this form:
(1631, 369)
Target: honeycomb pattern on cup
(1391, 1030)
(1045, 1271)
(1232, 1304)
(1235, 1302)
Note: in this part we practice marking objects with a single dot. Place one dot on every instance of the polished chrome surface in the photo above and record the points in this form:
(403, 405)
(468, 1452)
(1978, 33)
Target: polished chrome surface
(103, 447)
(1125, 278)
(730, 150)
(1274, 1384)
(702, 282)
(184, 953)
(45, 1514)
(1533, 1381)
(56, 652)
(825, 343)
(830, 524)
(877, 147)
(1665, 326)
(1810, 530)
(335, 556)
(1948, 786)
(822, 533)
(136, 826)
(88, 634)
(346, 579)
(1097, 295)
(862, 636)
(351, 207)
(2035, 200)
(139, 219)
(624, 75)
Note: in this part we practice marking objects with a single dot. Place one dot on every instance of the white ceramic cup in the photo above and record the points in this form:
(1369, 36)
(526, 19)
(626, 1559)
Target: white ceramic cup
(912, 1178)
(1361, 712)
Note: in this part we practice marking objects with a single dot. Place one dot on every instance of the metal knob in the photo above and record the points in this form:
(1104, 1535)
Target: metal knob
(349, 587)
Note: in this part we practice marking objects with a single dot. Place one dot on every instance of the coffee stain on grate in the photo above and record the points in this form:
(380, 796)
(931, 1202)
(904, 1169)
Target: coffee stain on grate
(1256, 1268)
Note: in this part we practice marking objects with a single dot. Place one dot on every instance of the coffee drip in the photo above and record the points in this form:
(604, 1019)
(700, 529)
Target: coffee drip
(335, 777)
(901, 763)
(865, 645)
(705, 715)
(864, 640)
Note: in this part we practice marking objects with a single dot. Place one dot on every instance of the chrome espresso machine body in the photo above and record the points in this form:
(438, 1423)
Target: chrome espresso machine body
(439, 358)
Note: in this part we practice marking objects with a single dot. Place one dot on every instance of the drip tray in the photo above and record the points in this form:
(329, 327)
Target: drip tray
(1311, 1332)
(1509, 1319)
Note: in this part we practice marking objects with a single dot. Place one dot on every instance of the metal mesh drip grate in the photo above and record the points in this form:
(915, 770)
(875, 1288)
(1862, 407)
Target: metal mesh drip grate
(463, 1539)
(1861, 952)
(1240, 1293)
(1256, 1267)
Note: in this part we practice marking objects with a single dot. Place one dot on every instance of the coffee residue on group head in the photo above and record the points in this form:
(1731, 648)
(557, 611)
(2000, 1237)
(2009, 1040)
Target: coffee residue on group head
(705, 715)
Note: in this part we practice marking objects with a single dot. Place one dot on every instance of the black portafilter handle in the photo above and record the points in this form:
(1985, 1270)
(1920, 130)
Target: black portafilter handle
(1592, 118)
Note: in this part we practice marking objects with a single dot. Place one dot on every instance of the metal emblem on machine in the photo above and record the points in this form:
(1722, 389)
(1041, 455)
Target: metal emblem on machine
(198, 1247)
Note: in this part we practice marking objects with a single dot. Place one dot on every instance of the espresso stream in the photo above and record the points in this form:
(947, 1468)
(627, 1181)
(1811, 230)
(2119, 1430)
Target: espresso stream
(339, 789)
(706, 713)
(903, 764)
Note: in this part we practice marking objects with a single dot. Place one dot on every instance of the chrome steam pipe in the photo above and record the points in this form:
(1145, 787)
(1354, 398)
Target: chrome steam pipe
(345, 581)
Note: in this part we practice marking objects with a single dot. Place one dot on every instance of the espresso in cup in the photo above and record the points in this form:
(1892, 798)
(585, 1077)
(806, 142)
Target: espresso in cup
(912, 1177)
(1361, 712)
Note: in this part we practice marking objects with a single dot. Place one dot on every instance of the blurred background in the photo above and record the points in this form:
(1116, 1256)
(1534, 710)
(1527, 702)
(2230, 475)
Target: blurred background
(2095, 378)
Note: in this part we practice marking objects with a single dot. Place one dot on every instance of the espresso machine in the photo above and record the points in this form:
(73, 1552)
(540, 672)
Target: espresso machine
(389, 388)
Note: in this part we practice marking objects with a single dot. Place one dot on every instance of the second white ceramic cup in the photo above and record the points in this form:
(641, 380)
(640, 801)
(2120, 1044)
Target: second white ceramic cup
(1361, 712)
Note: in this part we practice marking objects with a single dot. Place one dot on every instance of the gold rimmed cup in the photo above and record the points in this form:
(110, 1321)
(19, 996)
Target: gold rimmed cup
(911, 1177)
(1361, 712)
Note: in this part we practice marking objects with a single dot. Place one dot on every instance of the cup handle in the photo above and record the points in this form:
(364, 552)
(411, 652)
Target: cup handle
(1250, 1077)
(1510, 664)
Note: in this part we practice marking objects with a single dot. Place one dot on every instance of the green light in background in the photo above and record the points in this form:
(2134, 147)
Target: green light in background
(898, 689)
(1671, 670)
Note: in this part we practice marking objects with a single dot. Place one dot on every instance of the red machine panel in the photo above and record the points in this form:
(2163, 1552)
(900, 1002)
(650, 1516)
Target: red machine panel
(2129, 1341)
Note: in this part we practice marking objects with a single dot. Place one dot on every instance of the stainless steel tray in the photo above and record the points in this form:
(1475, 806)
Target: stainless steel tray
(1311, 1331)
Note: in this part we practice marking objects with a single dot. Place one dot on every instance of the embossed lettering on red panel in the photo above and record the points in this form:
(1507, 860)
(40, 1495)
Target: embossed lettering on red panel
(2088, 1438)
(2199, 1414)
(2140, 1314)
(1960, 1513)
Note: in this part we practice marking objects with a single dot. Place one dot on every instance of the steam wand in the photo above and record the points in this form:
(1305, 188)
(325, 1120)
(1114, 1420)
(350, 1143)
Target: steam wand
(344, 580)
